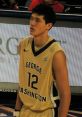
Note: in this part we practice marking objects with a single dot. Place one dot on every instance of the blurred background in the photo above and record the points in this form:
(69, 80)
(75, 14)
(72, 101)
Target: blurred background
(65, 6)
(14, 24)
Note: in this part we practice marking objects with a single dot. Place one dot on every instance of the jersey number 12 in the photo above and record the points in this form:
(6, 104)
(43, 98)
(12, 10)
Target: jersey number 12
(32, 80)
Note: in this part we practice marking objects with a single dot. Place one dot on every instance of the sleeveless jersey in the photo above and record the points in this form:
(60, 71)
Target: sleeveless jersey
(35, 74)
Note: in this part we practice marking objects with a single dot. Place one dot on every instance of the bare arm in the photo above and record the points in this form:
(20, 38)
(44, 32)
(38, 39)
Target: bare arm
(18, 103)
(61, 77)
(18, 48)
(18, 100)
(18, 107)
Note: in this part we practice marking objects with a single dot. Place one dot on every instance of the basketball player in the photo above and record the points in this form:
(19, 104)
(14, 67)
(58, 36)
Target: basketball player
(42, 62)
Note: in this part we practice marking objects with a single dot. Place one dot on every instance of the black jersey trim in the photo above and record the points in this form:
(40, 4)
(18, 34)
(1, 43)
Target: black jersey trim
(42, 49)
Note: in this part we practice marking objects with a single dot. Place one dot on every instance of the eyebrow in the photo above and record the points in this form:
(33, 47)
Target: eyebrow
(36, 17)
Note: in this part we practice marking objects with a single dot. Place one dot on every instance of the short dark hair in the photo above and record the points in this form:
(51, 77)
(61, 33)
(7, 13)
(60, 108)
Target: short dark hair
(47, 11)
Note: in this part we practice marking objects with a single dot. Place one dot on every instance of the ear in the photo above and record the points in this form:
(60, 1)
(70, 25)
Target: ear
(49, 26)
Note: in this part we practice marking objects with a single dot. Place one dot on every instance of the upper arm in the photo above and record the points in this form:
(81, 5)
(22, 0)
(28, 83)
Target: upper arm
(18, 48)
(61, 72)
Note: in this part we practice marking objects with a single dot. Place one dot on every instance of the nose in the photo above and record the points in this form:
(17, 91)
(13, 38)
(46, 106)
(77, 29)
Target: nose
(32, 22)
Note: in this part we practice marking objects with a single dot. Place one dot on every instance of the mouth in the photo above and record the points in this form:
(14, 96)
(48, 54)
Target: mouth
(32, 29)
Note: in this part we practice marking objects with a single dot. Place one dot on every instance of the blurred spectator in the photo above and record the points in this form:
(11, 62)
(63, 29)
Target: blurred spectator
(3, 4)
(9, 4)
(14, 4)
(34, 3)
(22, 2)
(55, 4)
(73, 7)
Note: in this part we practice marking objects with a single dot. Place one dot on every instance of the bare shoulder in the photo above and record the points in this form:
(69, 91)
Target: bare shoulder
(59, 62)
(59, 57)
(23, 42)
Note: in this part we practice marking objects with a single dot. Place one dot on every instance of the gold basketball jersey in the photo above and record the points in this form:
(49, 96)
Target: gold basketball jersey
(35, 74)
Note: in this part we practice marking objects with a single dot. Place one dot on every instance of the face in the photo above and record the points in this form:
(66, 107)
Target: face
(38, 25)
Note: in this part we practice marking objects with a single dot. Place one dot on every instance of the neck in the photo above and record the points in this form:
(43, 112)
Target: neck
(41, 41)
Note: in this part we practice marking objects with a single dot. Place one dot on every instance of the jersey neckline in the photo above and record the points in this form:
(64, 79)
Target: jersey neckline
(41, 49)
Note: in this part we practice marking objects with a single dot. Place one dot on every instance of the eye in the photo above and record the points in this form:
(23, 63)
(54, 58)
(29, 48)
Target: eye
(35, 19)
(31, 18)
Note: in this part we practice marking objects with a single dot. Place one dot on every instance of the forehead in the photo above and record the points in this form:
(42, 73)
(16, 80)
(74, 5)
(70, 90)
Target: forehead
(37, 16)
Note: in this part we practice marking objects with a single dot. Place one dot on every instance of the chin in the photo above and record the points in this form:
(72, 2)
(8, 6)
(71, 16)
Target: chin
(33, 35)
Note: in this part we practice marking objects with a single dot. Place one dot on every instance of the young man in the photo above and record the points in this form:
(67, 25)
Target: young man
(42, 62)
